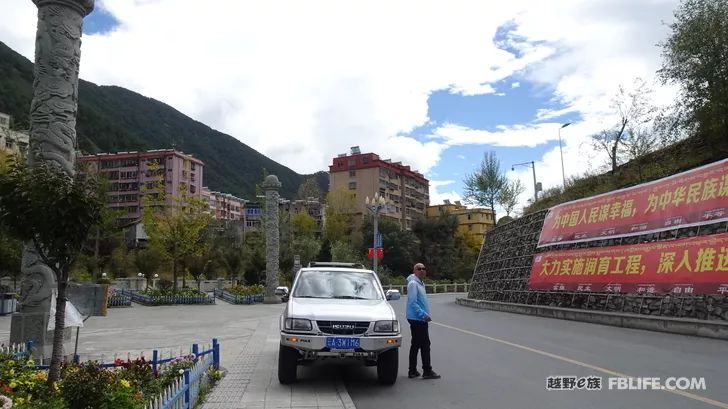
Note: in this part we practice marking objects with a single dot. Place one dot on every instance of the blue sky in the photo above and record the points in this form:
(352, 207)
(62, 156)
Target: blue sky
(432, 84)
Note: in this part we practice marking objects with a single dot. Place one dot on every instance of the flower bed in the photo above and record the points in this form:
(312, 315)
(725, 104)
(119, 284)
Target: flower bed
(242, 294)
(158, 297)
(117, 299)
(131, 384)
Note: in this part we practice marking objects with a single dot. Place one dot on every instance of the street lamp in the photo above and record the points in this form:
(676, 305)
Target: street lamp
(563, 175)
(377, 205)
(532, 165)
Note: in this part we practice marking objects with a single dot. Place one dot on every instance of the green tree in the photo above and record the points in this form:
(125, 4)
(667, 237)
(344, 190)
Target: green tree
(467, 249)
(200, 265)
(340, 208)
(694, 56)
(342, 251)
(148, 261)
(483, 186)
(302, 224)
(401, 249)
(11, 251)
(178, 228)
(508, 197)
(254, 260)
(52, 212)
(437, 244)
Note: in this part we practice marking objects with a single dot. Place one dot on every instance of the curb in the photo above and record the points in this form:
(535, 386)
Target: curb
(683, 326)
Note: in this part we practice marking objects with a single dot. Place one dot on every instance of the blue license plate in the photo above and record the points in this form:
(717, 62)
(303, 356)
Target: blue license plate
(342, 343)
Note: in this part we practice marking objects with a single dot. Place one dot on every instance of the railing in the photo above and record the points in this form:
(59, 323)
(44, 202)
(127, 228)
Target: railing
(118, 300)
(434, 288)
(185, 391)
(168, 299)
(238, 299)
(17, 350)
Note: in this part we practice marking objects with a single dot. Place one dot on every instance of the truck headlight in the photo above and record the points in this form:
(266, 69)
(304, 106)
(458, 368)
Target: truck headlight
(386, 326)
(298, 324)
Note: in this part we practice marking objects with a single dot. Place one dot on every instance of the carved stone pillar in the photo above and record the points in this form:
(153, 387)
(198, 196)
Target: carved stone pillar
(271, 185)
(52, 140)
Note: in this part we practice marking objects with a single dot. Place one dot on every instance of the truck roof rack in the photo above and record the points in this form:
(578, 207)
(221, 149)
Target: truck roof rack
(335, 264)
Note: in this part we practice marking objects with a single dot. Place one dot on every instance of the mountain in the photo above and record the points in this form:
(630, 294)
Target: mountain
(113, 119)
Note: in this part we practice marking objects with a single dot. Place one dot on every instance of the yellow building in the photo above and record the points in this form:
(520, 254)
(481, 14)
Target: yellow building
(477, 221)
(364, 174)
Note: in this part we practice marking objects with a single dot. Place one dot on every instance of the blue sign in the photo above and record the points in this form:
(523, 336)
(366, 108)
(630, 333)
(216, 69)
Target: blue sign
(378, 242)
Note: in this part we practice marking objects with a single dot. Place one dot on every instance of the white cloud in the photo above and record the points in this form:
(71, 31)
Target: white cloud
(303, 81)
(437, 197)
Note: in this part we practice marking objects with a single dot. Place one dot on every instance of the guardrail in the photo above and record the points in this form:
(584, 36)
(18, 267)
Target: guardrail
(238, 299)
(118, 300)
(176, 299)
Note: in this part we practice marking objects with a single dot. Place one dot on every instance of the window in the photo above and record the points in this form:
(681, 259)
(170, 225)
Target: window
(341, 285)
(352, 173)
(365, 160)
(352, 185)
(193, 188)
(352, 162)
(469, 216)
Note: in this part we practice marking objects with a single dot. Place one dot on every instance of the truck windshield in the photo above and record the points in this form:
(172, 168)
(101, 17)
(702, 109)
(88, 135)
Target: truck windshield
(337, 285)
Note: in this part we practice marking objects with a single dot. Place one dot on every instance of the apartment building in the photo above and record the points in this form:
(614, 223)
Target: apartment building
(477, 221)
(224, 206)
(13, 142)
(131, 175)
(312, 206)
(364, 174)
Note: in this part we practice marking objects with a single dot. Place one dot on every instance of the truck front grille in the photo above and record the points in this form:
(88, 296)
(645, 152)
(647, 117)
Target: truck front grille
(343, 327)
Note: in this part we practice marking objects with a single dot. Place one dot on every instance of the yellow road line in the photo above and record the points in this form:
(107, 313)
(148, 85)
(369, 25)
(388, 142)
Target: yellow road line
(689, 395)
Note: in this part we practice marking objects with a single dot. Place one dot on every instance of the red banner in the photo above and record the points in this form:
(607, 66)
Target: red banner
(695, 197)
(697, 265)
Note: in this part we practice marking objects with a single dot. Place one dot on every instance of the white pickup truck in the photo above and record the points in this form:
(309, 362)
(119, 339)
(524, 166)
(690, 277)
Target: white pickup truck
(337, 312)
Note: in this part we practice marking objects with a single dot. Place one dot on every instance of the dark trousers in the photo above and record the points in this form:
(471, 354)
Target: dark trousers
(421, 343)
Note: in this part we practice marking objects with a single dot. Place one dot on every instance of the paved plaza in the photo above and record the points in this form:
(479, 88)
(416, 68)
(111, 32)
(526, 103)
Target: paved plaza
(248, 336)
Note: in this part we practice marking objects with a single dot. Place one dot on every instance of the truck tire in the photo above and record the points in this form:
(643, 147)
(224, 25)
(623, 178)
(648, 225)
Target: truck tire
(287, 364)
(388, 366)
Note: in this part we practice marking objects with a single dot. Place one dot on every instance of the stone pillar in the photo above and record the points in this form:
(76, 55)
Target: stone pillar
(52, 140)
(272, 238)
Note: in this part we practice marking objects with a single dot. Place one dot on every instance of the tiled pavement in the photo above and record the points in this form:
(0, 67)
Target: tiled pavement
(251, 381)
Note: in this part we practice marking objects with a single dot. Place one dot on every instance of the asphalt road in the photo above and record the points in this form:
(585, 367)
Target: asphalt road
(498, 360)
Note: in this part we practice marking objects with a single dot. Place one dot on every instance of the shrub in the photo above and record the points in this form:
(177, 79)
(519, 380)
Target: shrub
(84, 386)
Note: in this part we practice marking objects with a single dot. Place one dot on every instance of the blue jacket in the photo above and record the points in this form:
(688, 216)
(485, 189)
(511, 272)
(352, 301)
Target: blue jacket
(417, 306)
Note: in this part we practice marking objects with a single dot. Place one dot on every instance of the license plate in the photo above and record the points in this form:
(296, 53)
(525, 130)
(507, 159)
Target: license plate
(342, 343)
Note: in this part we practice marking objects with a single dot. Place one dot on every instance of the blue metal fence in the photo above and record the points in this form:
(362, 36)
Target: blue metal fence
(238, 299)
(168, 299)
(118, 300)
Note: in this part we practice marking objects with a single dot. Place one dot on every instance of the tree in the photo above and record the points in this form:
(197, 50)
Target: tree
(309, 189)
(340, 208)
(254, 260)
(200, 265)
(178, 228)
(53, 212)
(508, 197)
(302, 224)
(437, 243)
(694, 56)
(148, 261)
(11, 251)
(483, 186)
(467, 247)
(633, 112)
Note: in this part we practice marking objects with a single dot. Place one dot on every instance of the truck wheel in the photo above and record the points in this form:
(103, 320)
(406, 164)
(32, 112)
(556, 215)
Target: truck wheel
(388, 366)
(287, 364)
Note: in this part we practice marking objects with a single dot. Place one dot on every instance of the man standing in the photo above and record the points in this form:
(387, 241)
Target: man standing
(418, 315)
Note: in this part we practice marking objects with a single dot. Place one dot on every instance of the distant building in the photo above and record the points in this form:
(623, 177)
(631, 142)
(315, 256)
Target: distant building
(477, 221)
(364, 174)
(312, 206)
(129, 174)
(13, 142)
(253, 216)
(224, 206)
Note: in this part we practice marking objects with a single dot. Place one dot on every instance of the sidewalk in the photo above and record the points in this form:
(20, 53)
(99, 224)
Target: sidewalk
(251, 381)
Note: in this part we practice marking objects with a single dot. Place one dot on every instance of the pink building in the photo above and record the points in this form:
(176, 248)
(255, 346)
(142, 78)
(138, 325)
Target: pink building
(224, 206)
(130, 173)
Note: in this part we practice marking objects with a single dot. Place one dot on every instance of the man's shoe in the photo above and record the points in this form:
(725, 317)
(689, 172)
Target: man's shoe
(414, 374)
(431, 375)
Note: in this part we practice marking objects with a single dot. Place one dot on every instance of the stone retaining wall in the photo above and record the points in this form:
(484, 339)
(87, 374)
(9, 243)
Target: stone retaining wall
(504, 266)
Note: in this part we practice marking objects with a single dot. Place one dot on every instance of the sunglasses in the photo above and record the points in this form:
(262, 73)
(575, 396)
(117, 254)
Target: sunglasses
(421, 268)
